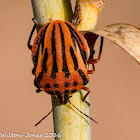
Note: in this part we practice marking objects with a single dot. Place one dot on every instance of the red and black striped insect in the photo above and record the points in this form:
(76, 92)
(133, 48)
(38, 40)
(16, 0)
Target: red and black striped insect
(60, 55)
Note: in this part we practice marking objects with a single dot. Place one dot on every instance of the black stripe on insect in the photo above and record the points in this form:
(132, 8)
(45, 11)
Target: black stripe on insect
(78, 41)
(65, 66)
(55, 68)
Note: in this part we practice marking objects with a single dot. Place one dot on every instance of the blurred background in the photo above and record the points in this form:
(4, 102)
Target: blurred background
(115, 85)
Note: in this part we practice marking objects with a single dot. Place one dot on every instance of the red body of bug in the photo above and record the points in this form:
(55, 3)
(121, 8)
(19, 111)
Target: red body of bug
(59, 54)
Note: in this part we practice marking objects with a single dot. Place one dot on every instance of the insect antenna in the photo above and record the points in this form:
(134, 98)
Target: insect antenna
(46, 115)
(82, 112)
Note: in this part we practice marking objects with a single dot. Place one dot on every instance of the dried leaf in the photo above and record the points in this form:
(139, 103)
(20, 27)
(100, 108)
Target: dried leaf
(124, 35)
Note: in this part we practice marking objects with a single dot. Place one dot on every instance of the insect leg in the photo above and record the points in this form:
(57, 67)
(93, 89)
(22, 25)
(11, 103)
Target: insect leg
(92, 61)
(30, 37)
(93, 69)
(100, 52)
(38, 90)
(84, 98)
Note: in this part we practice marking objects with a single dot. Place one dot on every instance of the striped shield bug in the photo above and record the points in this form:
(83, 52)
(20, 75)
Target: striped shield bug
(60, 55)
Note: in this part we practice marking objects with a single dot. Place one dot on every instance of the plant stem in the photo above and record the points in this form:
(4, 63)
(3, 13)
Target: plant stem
(49, 10)
(71, 124)
(67, 121)
(86, 14)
